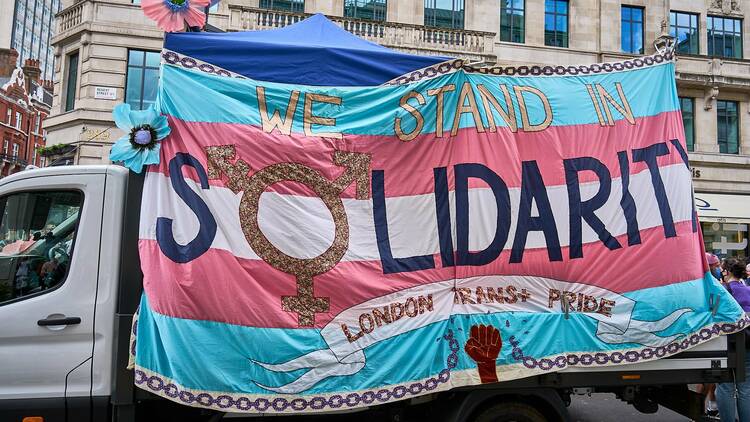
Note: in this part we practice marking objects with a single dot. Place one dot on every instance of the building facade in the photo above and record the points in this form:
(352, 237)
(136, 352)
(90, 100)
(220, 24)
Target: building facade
(106, 53)
(27, 26)
(24, 104)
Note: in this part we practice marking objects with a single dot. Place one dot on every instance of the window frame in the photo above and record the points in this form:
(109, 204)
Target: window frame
(675, 26)
(143, 69)
(15, 150)
(70, 93)
(710, 47)
(691, 145)
(269, 5)
(432, 5)
(19, 120)
(555, 14)
(355, 6)
(726, 120)
(503, 12)
(72, 245)
(631, 22)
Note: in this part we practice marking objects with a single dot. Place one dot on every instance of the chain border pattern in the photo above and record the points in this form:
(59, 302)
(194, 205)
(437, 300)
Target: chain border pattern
(450, 66)
(165, 388)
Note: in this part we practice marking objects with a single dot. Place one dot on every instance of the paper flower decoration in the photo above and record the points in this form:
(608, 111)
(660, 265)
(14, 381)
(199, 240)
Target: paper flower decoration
(143, 131)
(171, 15)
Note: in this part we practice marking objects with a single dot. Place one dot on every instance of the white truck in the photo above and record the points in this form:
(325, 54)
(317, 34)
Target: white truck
(70, 282)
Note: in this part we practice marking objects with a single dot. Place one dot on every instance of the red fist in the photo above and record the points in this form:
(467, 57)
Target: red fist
(483, 346)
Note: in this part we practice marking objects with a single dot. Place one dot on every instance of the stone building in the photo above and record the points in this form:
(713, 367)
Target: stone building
(107, 52)
(24, 104)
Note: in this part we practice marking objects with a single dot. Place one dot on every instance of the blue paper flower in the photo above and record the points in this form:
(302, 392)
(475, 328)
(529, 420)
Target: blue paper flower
(143, 131)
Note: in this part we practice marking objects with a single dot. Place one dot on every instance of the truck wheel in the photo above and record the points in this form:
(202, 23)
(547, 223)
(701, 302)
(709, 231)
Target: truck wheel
(511, 412)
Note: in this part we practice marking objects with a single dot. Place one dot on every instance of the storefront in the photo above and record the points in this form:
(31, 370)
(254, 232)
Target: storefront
(725, 220)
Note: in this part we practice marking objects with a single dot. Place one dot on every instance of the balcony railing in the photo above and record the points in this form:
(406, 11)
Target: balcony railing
(70, 17)
(475, 45)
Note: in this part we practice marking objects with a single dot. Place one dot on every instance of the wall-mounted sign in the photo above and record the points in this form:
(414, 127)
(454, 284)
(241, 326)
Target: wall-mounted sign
(95, 135)
(105, 93)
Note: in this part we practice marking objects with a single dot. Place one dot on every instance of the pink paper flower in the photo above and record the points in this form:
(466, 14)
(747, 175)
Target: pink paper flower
(171, 15)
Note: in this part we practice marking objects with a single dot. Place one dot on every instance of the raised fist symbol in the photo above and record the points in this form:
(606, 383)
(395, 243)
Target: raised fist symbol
(483, 346)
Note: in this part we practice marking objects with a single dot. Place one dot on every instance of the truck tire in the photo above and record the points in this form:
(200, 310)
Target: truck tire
(511, 412)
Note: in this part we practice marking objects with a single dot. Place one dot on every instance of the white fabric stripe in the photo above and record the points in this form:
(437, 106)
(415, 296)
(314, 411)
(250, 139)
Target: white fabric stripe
(302, 226)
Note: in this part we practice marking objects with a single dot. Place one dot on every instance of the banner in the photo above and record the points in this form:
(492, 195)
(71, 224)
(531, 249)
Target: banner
(326, 248)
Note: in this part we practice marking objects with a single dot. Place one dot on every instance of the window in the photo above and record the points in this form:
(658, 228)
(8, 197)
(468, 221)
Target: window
(6, 144)
(724, 37)
(373, 10)
(631, 29)
(142, 79)
(512, 22)
(37, 121)
(688, 121)
(37, 234)
(728, 128)
(726, 239)
(72, 78)
(214, 8)
(15, 150)
(684, 27)
(556, 23)
(19, 120)
(285, 5)
(444, 13)
(9, 115)
(136, 1)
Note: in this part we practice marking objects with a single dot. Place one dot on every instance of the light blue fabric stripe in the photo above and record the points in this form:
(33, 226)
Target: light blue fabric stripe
(216, 356)
(196, 96)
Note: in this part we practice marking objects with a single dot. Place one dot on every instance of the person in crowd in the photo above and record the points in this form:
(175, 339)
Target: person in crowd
(714, 265)
(733, 398)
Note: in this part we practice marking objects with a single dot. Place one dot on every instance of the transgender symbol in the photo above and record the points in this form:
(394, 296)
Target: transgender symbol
(305, 304)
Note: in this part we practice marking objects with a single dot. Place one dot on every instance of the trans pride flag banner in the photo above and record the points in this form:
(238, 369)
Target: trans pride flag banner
(326, 248)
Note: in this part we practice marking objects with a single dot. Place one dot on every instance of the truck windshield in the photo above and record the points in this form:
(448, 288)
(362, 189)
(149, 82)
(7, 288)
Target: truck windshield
(36, 241)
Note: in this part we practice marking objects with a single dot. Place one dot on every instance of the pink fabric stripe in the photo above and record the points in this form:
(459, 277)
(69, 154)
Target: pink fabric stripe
(409, 166)
(220, 287)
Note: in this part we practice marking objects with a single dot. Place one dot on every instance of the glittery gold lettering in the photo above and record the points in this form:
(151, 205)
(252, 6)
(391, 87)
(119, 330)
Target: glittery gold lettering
(607, 100)
(508, 114)
(527, 126)
(439, 93)
(310, 119)
(467, 94)
(404, 103)
(275, 122)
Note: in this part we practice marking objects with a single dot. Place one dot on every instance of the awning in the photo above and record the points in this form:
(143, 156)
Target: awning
(723, 207)
(314, 51)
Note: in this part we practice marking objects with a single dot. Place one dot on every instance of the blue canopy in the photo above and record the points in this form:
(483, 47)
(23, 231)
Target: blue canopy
(314, 51)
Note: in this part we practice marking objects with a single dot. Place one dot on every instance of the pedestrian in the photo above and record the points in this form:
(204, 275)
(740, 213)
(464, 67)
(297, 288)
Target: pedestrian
(714, 265)
(733, 398)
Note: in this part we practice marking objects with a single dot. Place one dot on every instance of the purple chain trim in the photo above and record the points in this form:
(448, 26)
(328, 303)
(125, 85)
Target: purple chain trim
(134, 334)
(630, 356)
(190, 63)
(157, 384)
(446, 67)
